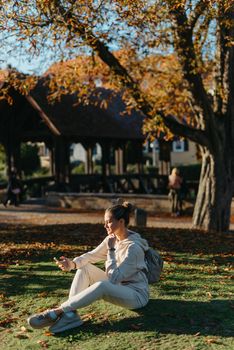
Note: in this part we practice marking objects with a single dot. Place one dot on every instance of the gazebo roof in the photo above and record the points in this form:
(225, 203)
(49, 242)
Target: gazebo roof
(36, 119)
(78, 120)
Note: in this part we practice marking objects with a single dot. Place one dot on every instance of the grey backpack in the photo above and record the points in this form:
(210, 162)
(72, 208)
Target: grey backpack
(154, 264)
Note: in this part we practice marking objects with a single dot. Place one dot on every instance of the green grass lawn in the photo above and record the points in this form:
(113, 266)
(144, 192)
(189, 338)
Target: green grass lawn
(190, 309)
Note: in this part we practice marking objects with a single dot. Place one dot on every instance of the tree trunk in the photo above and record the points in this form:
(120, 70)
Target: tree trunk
(213, 204)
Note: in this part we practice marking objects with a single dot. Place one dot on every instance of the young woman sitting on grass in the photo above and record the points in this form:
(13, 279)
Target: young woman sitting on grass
(123, 283)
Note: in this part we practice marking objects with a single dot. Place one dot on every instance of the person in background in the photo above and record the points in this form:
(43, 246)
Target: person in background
(14, 190)
(175, 184)
(124, 281)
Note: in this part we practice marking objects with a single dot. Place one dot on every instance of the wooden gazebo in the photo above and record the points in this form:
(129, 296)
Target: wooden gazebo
(58, 125)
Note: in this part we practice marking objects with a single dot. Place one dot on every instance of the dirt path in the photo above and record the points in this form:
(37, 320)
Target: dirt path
(39, 214)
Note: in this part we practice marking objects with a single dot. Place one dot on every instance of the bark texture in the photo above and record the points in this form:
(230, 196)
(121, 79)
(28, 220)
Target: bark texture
(213, 204)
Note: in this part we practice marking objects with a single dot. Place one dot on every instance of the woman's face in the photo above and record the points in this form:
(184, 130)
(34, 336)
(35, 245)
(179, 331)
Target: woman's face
(111, 224)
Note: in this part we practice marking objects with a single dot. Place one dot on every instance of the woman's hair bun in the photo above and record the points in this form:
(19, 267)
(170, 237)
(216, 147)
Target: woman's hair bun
(121, 210)
(128, 206)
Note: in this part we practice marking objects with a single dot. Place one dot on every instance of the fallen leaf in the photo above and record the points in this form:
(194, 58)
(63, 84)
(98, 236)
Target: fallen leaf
(197, 334)
(8, 304)
(22, 335)
(42, 294)
(212, 341)
(136, 326)
(3, 266)
(48, 334)
(89, 316)
(43, 343)
(7, 321)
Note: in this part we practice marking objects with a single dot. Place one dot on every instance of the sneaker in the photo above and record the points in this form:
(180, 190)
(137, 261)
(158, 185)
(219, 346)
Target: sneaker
(66, 322)
(41, 320)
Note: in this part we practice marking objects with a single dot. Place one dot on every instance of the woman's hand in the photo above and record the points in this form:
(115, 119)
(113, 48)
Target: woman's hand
(65, 264)
(111, 241)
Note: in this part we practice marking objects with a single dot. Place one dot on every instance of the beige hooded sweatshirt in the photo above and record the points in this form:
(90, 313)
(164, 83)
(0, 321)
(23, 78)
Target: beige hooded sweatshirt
(125, 264)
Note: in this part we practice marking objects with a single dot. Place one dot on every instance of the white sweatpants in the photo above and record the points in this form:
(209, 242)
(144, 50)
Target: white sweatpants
(90, 284)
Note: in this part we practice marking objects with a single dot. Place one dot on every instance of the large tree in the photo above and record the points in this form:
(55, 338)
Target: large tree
(197, 36)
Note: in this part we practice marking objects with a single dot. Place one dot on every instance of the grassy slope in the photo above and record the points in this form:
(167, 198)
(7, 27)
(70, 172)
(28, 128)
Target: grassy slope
(190, 309)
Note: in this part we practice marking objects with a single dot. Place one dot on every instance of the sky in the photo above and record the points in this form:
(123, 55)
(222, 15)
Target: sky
(29, 65)
(20, 57)
(26, 67)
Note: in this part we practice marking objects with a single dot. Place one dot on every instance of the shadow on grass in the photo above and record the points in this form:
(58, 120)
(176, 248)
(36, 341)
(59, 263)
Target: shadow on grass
(164, 239)
(36, 278)
(19, 280)
(166, 317)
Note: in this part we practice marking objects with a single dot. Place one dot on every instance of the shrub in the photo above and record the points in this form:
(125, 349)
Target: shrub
(79, 169)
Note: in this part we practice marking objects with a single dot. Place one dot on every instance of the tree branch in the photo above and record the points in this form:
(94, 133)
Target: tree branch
(106, 56)
(187, 56)
(196, 135)
(196, 13)
(230, 80)
(225, 39)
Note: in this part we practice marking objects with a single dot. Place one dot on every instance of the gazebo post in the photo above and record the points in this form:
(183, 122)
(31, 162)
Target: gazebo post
(17, 158)
(124, 158)
(89, 161)
(62, 161)
(103, 164)
(88, 146)
(51, 147)
(165, 156)
(9, 158)
(106, 167)
(13, 158)
(119, 160)
(139, 151)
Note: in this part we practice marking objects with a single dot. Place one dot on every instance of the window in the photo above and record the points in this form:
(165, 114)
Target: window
(180, 146)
